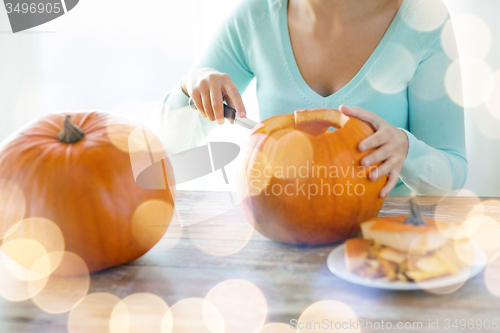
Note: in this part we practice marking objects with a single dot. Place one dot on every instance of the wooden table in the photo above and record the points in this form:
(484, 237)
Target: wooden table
(291, 278)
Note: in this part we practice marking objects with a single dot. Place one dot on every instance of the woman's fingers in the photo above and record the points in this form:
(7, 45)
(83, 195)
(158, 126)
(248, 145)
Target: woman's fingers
(375, 140)
(378, 155)
(233, 97)
(362, 114)
(217, 104)
(199, 104)
(391, 183)
(209, 88)
(383, 169)
(207, 104)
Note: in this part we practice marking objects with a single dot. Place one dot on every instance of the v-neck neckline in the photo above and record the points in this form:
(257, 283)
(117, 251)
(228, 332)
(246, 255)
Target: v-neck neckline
(339, 94)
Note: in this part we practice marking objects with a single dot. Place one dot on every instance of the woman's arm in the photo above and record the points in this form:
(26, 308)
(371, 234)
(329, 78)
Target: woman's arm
(436, 163)
(176, 124)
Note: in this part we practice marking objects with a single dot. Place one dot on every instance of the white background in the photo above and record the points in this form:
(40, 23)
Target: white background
(123, 56)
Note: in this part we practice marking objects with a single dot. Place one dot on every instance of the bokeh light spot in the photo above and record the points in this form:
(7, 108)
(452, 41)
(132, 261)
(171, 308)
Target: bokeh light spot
(48, 235)
(334, 312)
(66, 286)
(150, 222)
(13, 288)
(241, 303)
(469, 81)
(447, 210)
(140, 158)
(141, 312)
(399, 69)
(196, 315)
(427, 15)
(469, 253)
(92, 314)
(488, 236)
(483, 228)
(469, 33)
(23, 254)
(119, 129)
(137, 141)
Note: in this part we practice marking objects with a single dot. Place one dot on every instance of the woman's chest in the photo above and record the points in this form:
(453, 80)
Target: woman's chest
(284, 97)
(331, 57)
(328, 65)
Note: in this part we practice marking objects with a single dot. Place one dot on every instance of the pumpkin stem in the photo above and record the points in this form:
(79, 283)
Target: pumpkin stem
(415, 216)
(70, 133)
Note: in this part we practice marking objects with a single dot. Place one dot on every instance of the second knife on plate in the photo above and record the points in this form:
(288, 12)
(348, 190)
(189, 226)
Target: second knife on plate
(231, 115)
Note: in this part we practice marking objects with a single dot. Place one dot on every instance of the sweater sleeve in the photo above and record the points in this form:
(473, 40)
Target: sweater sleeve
(436, 163)
(174, 122)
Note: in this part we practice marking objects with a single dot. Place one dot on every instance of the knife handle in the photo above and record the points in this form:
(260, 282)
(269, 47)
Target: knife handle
(229, 112)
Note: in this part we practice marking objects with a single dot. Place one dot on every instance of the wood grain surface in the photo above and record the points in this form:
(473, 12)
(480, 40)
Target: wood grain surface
(183, 265)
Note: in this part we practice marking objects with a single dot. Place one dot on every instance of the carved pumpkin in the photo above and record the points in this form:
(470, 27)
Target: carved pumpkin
(303, 184)
(75, 170)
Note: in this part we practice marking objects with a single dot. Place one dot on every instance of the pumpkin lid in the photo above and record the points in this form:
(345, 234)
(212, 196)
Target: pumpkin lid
(310, 121)
(318, 121)
(396, 224)
(356, 247)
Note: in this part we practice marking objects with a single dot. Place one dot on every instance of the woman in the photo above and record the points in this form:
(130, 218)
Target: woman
(377, 56)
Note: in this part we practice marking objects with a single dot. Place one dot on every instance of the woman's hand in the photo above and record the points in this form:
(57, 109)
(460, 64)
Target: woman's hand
(209, 88)
(391, 147)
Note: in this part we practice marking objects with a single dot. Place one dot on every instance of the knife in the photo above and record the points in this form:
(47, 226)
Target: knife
(231, 115)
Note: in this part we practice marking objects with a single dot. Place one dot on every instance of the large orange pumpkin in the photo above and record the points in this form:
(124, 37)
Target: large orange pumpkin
(75, 170)
(303, 184)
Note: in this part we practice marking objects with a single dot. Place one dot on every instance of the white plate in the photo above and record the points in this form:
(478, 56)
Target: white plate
(336, 265)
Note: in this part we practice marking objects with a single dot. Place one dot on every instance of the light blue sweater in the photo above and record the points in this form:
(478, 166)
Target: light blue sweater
(403, 82)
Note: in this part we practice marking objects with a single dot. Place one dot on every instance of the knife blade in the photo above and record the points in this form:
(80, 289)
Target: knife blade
(231, 115)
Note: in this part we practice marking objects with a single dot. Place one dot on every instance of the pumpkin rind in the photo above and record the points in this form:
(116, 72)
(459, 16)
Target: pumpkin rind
(303, 218)
(86, 187)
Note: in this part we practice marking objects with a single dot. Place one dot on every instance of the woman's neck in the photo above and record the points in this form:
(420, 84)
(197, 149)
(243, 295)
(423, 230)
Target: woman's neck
(329, 12)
